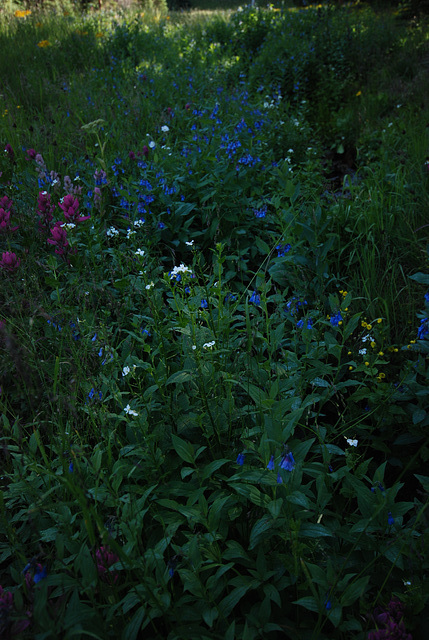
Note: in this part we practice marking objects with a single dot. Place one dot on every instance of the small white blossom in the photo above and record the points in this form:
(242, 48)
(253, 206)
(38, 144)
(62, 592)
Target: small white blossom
(69, 226)
(362, 352)
(130, 232)
(181, 269)
(189, 243)
(125, 371)
(152, 144)
(352, 443)
(130, 411)
(367, 337)
(209, 345)
(140, 252)
(149, 286)
(164, 129)
(194, 346)
(138, 223)
(112, 232)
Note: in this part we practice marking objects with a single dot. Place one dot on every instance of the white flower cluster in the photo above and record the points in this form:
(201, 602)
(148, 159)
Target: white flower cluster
(209, 345)
(181, 269)
(164, 129)
(138, 223)
(140, 252)
(68, 226)
(150, 285)
(130, 232)
(112, 232)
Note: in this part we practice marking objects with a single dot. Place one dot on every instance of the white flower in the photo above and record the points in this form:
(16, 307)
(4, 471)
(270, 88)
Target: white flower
(164, 129)
(152, 144)
(209, 345)
(69, 226)
(130, 411)
(367, 337)
(140, 252)
(130, 232)
(125, 372)
(352, 443)
(112, 232)
(149, 286)
(181, 269)
(138, 223)
(189, 243)
(362, 352)
(194, 346)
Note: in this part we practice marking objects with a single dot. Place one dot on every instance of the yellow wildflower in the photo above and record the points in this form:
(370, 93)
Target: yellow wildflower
(44, 43)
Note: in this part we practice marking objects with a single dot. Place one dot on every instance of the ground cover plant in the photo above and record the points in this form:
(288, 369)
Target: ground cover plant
(214, 322)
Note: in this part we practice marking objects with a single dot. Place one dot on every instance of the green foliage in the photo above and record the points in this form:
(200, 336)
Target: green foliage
(214, 399)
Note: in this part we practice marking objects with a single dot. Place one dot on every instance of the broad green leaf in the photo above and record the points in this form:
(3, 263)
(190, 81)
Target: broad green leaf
(133, 627)
(308, 602)
(258, 530)
(310, 530)
(230, 601)
(354, 591)
(179, 377)
(184, 449)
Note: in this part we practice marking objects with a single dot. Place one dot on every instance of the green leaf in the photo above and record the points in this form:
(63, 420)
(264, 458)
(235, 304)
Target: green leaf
(230, 601)
(309, 530)
(209, 469)
(299, 498)
(421, 278)
(252, 493)
(209, 615)
(131, 630)
(308, 602)
(179, 377)
(262, 246)
(184, 449)
(258, 530)
(418, 415)
(354, 591)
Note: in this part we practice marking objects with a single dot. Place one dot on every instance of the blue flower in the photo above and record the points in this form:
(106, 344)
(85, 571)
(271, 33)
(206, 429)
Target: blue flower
(279, 478)
(328, 603)
(71, 467)
(335, 320)
(423, 330)
(270, 465)
(300, 323)
(255, 298)
(204, 304)
(262, 212)
(40, 573)
(288, 462)
(390, 519)
(282, 250)
(240, 459)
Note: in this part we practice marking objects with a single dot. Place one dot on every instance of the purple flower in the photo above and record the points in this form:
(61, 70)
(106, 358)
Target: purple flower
(9, 261)
(5, 220)
(288, 462)
(70, 206)
(335, 320)
(240, 459)
(59, 239)
(255, 298)
(104, 559)
(270, 465)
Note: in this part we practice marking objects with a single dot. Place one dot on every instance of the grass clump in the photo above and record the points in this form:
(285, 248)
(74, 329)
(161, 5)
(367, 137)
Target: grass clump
(214, 324)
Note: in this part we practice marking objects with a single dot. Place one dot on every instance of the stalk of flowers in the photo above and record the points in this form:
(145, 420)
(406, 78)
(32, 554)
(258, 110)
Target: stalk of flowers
(105, 558)
(10, 152)
(389, 622)
(5, 221)
(59, 239)
(70, 188)
(45, 210)
(70, 206)
(9, 261)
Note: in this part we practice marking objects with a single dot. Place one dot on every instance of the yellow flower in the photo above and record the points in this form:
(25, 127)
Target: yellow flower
(379, 321)
(381, 353)
(372, 345)
(22, 14)
(99, 35)
(44, 43)
(359, 93)
(367, 364)
(369, 327)
(381, 375)
(350, 368)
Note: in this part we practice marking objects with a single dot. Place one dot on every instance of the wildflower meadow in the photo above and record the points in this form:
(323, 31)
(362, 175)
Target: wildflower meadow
(214, 320)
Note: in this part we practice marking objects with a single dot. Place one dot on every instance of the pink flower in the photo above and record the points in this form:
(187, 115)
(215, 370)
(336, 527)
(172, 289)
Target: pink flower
(187, 106)
(104, 558)
(132, 155)
(145, 151)
(9, 261)
(5, 221)
(70, 206)
(59, 239)
(31, 153)
(5, 202)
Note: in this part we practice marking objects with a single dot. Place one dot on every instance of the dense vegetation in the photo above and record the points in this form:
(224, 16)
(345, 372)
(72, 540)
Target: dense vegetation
(214, 323)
